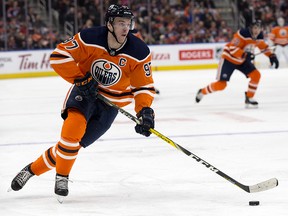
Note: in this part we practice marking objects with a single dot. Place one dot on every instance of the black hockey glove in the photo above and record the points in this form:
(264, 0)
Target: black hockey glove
(87, 87)
(274, 60)
(250, 56)
(146, 115)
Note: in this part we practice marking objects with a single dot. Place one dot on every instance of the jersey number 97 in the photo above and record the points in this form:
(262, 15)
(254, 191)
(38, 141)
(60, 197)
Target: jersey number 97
(147, 69)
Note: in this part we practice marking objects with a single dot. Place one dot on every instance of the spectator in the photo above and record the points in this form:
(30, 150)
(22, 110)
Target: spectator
(168, 21)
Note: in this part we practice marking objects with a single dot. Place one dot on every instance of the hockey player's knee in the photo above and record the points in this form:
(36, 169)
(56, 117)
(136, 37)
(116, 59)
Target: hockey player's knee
(222, 85)
(255, 76)
(219, 85)
(74, 126)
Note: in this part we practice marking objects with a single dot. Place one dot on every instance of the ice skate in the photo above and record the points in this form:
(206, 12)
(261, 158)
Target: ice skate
(199, 96)
(61, 187)
(250, 102)
(21, 178)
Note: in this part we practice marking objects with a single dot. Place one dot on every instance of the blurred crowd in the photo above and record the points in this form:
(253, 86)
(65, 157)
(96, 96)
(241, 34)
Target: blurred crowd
(265, 10)
(174, 22)
(160, 22)
(25, 28)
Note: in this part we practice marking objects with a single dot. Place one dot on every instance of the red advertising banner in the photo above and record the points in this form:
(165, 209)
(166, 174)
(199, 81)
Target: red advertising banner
(196, 54)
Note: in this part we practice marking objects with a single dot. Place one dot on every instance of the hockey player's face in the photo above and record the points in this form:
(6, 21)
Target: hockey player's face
(121, 28)
(255, 31)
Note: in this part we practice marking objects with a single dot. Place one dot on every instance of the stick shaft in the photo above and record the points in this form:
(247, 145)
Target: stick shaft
(263, 186)
(265, 50)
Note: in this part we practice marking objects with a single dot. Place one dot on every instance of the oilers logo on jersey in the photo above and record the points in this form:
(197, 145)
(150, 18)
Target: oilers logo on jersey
(283, 32)
(105, 72)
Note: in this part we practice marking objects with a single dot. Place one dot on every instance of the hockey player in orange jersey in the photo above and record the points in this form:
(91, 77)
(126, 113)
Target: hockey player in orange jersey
(238, 55)
(279, 38)
(107, 60)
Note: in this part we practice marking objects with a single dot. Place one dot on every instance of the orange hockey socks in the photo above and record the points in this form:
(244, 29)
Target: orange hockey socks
(64, 153)
(45, 162)
(253, 83)
(67, 148)
(215, 86)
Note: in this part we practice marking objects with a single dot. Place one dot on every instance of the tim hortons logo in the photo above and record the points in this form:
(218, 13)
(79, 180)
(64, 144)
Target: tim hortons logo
(27, 62)
(197, 54)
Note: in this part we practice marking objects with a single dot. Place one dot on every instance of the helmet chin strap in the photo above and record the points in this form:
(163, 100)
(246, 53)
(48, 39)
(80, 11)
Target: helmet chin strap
(114, 35)
(113, 51)
(253, 35)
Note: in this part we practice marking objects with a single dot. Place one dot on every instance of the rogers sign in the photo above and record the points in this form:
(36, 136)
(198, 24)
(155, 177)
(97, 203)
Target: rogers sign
(196, 54)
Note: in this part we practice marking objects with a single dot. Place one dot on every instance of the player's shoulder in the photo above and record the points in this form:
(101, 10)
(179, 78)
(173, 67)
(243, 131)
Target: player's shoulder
(245, 33)
(94, 36)
(136, 48)
(276, 28)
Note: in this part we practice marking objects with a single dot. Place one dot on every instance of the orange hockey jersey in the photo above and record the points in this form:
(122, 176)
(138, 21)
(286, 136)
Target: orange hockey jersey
(242, 42)
(279, 35)
(122, 75)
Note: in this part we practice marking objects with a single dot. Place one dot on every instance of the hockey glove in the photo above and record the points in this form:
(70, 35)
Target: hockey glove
(250, 56)
(87, 87)
(146, 115)
(274, 60)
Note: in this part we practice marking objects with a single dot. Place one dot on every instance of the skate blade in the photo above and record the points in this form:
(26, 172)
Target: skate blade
(60, 199)
(9, 189)
(250, 106)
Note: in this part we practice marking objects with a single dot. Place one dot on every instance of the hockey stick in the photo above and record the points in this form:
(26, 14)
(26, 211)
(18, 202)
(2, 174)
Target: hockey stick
(262, 186)
(265, 50)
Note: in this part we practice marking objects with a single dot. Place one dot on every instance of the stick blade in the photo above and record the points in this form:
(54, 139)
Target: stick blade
(266, 185)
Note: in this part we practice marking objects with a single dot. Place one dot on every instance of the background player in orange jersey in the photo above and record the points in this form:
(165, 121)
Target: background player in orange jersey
(237, 55)
(107, 60)
(279, 38)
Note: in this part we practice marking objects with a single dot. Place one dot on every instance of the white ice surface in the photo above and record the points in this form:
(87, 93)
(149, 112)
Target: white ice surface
(126, 174)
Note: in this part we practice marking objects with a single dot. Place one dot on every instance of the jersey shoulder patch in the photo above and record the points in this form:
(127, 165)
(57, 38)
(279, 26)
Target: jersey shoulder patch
(246, 34)
(135, 47)
(95, 36)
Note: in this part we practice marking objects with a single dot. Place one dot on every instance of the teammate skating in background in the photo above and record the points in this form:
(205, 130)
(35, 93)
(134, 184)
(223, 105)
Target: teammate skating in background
(279, 38)
(106, 60)
(238, 55)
